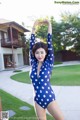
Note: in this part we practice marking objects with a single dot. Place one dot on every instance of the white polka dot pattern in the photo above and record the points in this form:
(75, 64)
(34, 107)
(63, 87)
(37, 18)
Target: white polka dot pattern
(43, 91)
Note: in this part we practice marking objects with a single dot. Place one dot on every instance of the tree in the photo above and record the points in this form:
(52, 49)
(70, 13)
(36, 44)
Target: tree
(56, 28)
(64, 34)
(74, 22)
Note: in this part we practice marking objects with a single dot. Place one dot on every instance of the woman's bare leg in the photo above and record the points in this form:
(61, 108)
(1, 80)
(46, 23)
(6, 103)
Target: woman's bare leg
(55, 111)
(0, 108)
(41, 113)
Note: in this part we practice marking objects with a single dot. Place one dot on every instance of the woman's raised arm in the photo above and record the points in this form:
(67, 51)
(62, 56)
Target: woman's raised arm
(50, 56)
(36, 23)
(32, 41)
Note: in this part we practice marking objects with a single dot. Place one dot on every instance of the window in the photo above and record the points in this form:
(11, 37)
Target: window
(0, 38)
(6, 37)
(19, 37)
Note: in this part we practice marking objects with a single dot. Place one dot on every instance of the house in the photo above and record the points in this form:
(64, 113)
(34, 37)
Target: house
(11, 44)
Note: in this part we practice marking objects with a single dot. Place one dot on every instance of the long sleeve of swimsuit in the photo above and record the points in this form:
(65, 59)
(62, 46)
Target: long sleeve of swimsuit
(32, 42)
(50, 56)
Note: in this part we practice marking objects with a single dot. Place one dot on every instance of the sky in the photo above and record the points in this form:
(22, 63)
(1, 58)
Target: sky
(28, 11)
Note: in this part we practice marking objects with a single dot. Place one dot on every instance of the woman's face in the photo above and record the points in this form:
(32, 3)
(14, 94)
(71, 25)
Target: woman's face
(40, 54)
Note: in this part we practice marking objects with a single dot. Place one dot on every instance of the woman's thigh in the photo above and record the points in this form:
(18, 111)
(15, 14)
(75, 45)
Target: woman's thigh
(55, 111)
(41, 113)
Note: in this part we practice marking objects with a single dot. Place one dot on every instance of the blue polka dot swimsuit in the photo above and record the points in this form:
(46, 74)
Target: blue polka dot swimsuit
(43, 91)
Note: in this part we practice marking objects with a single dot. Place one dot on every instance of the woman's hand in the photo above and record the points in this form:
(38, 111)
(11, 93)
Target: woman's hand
(36, 23)
(43, 22)
(47, 22)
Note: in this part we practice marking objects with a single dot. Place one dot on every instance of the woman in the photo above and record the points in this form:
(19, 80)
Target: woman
(0, 108)
(42, 58)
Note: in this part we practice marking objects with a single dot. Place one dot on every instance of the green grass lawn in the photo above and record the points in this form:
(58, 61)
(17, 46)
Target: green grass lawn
(67, 75)
(10, 102)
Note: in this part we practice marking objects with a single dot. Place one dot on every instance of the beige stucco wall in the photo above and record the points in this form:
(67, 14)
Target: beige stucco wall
(18, 56)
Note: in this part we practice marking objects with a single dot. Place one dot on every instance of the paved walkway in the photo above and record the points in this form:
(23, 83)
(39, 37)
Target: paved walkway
(67, 97)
